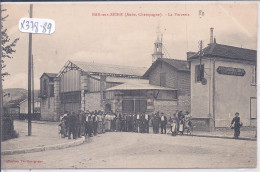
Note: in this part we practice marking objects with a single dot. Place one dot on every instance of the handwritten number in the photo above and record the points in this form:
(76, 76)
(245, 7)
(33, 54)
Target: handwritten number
(27, 25)
(44, 27)
(49, 27)
(36, 27)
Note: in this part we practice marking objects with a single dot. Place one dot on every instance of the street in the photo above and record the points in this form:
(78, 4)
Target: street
(136, 150)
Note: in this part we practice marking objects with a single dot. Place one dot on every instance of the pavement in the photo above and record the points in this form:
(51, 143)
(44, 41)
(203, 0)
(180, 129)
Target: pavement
(246, 133)
(45, 136)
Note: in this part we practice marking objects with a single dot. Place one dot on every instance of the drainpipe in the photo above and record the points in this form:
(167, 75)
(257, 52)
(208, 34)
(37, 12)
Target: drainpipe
(213, 94)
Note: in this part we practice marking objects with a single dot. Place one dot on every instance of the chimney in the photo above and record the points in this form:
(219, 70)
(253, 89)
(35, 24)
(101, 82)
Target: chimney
(189, 54)
(211, 35)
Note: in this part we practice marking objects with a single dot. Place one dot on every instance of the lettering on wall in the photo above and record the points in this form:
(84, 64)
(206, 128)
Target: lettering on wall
(231, 71)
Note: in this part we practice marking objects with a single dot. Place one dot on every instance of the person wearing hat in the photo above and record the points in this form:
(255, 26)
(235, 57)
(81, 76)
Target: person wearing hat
(163, 123)
(237, 125)
(157, 122)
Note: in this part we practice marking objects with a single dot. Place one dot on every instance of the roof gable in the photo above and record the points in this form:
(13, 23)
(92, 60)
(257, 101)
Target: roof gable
(180, 65)
(50, 75)
(99, 68)
(228, 52)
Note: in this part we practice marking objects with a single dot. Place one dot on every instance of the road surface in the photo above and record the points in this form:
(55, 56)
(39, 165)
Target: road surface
(136, 150)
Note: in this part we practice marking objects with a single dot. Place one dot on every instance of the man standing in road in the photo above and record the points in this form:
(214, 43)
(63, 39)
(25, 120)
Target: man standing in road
(163, 123)
(147, 118)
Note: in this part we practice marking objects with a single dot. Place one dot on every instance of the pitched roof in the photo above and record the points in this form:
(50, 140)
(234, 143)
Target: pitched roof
(138, 86)
(109, 68)
(126, 80)
(229, 52)
(50, 75)
(13, 103)
(180, 65)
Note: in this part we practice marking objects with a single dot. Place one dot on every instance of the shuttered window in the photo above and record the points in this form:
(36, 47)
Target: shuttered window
(199, 74)
(163, 79)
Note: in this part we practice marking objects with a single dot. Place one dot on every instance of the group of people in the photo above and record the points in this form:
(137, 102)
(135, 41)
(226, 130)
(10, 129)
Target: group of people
(75, 125)
(90, 123)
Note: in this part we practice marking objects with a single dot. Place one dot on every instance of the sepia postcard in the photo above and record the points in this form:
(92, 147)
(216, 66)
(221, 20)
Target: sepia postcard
(107, 85)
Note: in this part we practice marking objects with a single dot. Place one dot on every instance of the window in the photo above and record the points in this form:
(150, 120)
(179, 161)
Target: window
(199, 74)
(51, 90)
(44, 91)
(163, 79)
(253, 107)
(253, 75)
(104, 95)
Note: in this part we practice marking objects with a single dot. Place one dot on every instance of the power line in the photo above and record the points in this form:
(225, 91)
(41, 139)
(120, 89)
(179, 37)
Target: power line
(164, 48)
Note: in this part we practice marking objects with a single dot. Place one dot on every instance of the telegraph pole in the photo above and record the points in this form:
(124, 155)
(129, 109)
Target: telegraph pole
(29, 78)
(1, 84)
(32, 86)
(200, 59)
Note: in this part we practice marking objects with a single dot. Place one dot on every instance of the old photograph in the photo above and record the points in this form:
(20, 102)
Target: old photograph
(107, 85)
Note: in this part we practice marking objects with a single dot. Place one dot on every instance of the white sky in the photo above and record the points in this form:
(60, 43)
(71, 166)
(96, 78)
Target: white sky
(123, 40)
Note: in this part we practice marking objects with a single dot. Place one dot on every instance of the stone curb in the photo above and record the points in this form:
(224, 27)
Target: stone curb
(224, 137)
(44, 148)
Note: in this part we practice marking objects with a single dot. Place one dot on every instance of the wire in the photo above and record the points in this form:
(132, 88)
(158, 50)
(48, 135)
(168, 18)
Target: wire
(166, 51)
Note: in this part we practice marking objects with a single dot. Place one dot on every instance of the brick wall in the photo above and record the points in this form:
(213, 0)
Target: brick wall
(184, 103)
(179, 80)
(171, 75)
(183, 83)
(167, 107)
(56, 101)
(92, 101)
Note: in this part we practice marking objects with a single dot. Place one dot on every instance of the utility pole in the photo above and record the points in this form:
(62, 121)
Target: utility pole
(1, 84)
(29, 79)
(32, 86)
(200, 59)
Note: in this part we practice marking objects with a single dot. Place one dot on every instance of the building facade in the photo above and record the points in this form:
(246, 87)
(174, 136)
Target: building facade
(81, 86)
(223, 82)
(47, 98)
(174, 74)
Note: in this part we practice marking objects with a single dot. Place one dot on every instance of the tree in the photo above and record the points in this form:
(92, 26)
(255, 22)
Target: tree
(7, 45)
(6, 49)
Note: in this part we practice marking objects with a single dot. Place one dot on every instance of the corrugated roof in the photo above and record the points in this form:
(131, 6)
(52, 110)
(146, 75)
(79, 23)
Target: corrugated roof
(126, 80)
(109, 68)
(181, 65)
(226, 51)
(137, 86)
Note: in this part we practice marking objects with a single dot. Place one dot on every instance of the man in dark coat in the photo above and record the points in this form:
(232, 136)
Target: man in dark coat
(78, 123)
(157, 122)
(237, 125)
(72, 120)
(95, 121)
(163, 123)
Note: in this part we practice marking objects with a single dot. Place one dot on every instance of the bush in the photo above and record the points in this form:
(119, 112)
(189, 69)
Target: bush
(8, 128)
